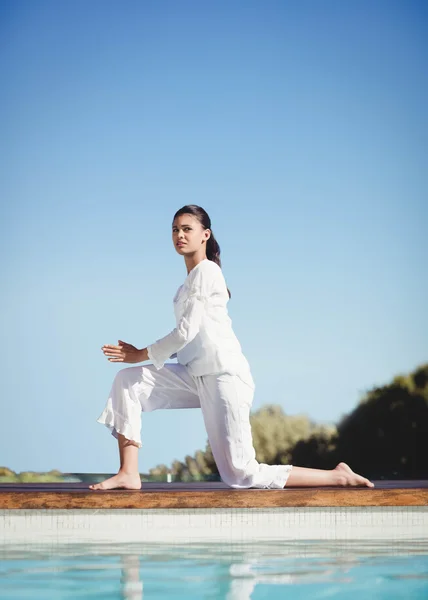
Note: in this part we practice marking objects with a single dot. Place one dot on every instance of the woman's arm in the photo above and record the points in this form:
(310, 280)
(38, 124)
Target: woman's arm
(186, 330)
(202, 285)
(189, 324)
(144, 355)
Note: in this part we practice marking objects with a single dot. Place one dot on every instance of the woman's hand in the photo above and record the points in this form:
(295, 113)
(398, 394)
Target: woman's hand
(124, 353)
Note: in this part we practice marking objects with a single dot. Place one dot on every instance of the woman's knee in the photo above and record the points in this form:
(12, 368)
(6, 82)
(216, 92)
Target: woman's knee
(235, 480)
(129, 375)
(238, 475)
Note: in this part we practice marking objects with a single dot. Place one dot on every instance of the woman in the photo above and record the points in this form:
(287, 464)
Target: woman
(211, 373)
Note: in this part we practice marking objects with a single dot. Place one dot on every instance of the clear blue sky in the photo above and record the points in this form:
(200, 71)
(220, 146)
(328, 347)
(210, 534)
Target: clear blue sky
(301, 127)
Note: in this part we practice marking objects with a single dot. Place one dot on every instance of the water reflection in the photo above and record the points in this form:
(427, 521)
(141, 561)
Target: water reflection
(131, 584)
(245, 566)
(229, 571)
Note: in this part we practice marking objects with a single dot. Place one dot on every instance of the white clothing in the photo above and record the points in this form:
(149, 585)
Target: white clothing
(212, 374)
(225, 401)
(203, 338)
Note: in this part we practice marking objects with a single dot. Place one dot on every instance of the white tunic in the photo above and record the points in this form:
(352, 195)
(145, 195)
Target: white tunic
(203, 339)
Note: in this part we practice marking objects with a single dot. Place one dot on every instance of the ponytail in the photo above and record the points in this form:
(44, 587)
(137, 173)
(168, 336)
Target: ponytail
(213, 253)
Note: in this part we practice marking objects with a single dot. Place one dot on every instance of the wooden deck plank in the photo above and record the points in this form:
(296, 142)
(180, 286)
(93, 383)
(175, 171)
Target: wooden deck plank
(200, 485)
(207, 495)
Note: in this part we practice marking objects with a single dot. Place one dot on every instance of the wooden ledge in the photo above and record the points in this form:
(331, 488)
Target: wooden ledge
(207, 495)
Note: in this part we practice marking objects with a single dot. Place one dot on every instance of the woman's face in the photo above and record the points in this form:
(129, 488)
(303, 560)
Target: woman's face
(188, 234)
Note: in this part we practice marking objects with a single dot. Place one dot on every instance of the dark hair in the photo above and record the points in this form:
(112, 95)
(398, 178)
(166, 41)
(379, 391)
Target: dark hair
(213, 248)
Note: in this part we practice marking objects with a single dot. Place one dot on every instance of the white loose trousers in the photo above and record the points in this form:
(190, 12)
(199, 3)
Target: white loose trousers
(225, 400)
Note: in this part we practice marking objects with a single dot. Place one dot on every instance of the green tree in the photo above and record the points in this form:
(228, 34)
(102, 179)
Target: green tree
(386, 435)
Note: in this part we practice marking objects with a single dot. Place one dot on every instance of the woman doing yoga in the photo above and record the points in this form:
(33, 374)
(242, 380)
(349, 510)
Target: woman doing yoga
(211, 373)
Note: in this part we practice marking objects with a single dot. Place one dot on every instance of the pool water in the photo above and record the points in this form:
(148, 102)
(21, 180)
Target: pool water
(230, 571)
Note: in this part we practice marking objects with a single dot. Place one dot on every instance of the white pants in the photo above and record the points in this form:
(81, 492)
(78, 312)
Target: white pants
(225, 401)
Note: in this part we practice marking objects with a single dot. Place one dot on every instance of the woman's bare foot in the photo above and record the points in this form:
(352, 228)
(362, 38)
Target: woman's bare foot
(124, 480)
(348, 477)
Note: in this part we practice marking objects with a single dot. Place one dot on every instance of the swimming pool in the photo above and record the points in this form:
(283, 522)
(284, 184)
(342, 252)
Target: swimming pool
(382, 569)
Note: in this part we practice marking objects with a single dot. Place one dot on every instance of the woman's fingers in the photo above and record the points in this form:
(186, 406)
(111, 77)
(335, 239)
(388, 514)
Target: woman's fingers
(110, 350)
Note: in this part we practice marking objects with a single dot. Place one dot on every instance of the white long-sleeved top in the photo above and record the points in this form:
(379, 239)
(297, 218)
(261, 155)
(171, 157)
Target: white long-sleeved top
(203, 339)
